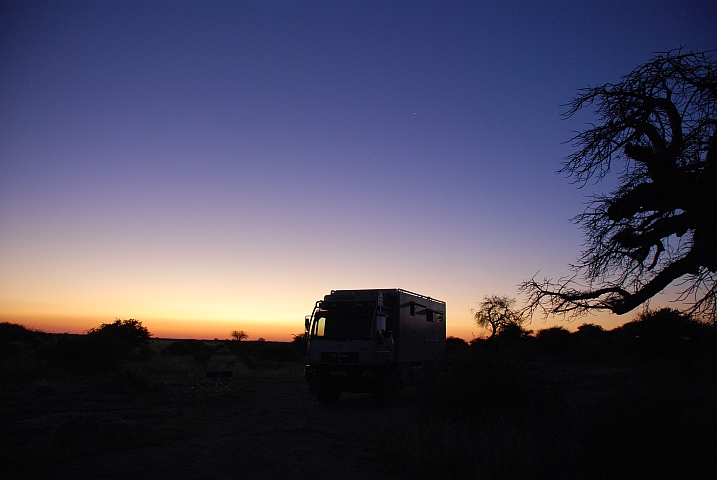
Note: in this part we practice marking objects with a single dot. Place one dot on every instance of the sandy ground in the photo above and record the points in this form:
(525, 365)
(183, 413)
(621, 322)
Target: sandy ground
(267, 426)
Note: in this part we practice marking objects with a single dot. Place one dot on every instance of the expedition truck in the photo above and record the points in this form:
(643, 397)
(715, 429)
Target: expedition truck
(373, 341)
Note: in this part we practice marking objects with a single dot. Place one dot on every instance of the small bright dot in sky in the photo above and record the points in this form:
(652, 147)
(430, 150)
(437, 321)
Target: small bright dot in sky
(193, 165)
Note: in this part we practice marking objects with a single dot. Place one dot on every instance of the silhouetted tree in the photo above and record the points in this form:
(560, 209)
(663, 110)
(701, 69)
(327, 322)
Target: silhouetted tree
(496, 313)
(657, 127)
(239, 335)
(130, 333)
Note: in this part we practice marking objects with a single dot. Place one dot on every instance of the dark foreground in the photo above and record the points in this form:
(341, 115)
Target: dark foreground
(267, 426)
(636, 402)
(611, 420)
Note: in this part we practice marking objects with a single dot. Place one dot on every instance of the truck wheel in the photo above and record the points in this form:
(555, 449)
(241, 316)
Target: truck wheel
(328, 396)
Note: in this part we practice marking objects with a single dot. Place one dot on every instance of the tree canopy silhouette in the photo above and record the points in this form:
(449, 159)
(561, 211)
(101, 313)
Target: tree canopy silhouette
(497, 314)
(656, 127)
(239, 335)
(130, 333)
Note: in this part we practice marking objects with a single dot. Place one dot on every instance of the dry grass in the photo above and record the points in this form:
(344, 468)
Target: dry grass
(489, 411)
(56, 413)
(502, 414)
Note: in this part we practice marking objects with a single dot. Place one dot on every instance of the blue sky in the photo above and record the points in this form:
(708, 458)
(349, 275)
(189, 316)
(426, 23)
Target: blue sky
(206, 166)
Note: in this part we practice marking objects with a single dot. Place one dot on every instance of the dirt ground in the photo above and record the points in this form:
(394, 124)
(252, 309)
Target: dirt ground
(267, 426)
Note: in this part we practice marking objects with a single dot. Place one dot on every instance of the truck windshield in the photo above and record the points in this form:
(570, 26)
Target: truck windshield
(344, 321)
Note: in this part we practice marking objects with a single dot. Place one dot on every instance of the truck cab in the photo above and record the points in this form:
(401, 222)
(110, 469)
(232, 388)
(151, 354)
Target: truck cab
(373, 341)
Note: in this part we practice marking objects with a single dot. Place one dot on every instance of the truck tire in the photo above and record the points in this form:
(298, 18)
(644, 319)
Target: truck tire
(327, 395)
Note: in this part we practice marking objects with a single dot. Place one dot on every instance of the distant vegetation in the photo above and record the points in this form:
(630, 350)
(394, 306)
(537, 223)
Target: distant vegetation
(102, 349)
(109, 347)
(239, 335)
(639, 401)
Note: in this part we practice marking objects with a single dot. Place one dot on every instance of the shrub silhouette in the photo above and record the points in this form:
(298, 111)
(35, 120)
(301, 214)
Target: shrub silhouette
(102, 349)
(299, 343)
(130, 332)
(591, 343)
(590, 330)
(554, 341)
(664, 332)
(12, 333)
(453, 343)
(510, 334)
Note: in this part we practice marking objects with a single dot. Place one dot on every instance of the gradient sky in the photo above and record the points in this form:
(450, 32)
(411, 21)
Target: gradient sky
(210, 166)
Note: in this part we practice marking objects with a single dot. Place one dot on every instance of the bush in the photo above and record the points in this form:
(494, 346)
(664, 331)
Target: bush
(300, 343)
(11, 334)
(554, 341)
(591, 344)
(511, 334)
(102, 349)
(664, 332)
(590, 330)
(453, 343)
(130, 332)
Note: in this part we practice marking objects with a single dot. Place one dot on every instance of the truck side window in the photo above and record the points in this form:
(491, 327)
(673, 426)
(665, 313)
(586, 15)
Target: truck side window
(440, 317)
(412, 309)
(429, 316)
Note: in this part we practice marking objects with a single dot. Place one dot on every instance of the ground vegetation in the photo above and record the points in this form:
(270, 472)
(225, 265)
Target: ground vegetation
(632, 402)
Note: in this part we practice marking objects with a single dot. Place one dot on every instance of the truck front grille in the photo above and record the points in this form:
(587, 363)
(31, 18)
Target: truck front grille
(339, 357)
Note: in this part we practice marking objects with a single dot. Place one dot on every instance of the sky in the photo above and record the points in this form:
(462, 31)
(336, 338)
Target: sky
(210, 166)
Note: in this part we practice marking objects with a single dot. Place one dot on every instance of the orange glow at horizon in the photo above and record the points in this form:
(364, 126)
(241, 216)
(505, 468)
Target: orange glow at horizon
(271, 330)
(163, 327)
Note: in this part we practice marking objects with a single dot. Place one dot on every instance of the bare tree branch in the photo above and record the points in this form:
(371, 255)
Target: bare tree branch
(659, 227)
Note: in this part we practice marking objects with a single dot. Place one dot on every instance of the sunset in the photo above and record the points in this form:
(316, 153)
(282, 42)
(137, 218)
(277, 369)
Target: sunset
(205, 167)
(358, 239)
